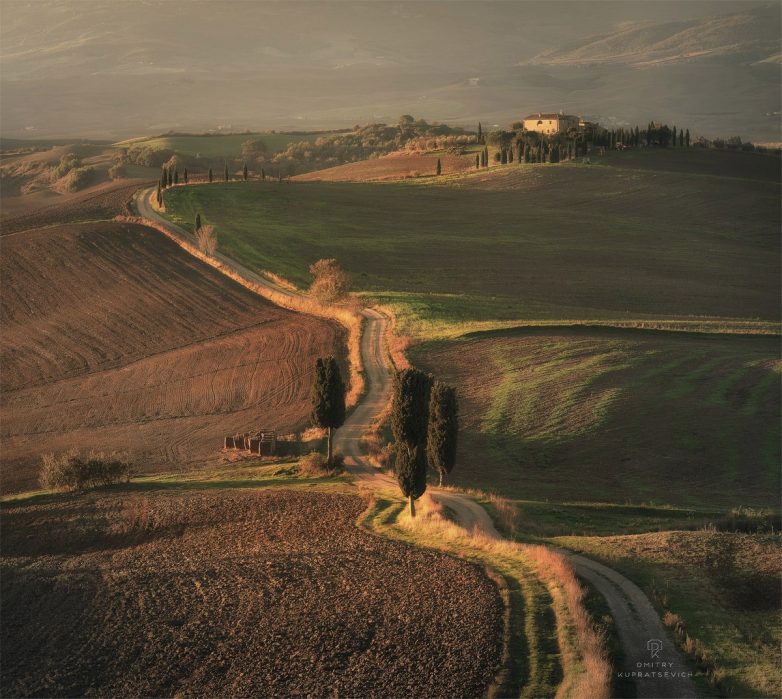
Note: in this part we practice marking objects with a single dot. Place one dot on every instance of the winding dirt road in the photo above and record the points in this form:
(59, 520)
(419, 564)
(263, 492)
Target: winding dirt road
(660, 670)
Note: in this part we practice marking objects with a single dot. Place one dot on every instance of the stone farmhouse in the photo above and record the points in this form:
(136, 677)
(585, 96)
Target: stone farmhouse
(551, 123)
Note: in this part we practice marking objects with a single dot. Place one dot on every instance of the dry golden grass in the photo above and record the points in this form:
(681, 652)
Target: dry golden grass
(585, 659)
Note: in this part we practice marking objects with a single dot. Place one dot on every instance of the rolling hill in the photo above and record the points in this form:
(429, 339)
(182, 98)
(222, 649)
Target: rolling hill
(752, 35)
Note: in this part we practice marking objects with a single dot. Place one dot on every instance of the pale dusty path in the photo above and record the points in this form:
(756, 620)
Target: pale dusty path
(636, 621)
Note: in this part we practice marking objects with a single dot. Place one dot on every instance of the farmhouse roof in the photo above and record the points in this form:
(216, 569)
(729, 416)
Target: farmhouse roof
(540, 115)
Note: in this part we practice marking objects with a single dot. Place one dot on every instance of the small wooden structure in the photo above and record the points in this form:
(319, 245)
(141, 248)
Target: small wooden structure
(262, 442)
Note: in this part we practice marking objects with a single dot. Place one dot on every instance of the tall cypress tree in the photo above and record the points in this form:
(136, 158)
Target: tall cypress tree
(687, 138)
(226, 172)
(244, 172)
(263, 174)
(486, 156)
(409, 425)
(443, 429)
(176, 176)
(184, 175)
(198, 222)
(211, 176)
(170, 178)
(681, 138)
(328, 398)
(504, 157)
(673, 139)
(480, 133)
(477, 162)
(510, 154)
(159, 196)
(439, 167)
(163, 178)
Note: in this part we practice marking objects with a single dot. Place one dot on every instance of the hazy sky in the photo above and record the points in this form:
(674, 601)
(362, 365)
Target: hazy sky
(111, 69)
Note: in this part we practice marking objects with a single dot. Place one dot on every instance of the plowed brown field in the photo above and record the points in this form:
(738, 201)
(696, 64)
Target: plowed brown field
(102, 202)
(234, 594)
(114, 338)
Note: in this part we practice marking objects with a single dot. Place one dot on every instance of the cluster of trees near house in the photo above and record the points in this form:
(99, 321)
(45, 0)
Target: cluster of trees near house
(362, 143)
(424, 423)
(520, 145)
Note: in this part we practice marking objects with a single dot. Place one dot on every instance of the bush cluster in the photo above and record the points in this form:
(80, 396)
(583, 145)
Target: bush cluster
(363, 143)
(71, 471)
(316, 464)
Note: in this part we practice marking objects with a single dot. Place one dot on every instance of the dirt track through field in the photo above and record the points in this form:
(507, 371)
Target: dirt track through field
(638, 625)
(636, 620)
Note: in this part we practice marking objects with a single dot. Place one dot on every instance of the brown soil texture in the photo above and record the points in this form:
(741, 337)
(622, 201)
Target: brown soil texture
(103, 202)
(272, 593)
(116, 339)
(395, 166)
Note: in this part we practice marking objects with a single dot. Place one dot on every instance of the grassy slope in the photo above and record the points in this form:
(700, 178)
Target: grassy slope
(724, 586)
(566, 242)
(616, 415)
(572, 417)
(228, 146)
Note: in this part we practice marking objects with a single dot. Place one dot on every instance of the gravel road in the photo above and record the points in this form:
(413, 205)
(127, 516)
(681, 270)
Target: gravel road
(661, 672)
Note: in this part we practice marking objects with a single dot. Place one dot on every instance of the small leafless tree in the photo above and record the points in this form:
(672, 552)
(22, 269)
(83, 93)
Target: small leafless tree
(207, 239)
(331, 281)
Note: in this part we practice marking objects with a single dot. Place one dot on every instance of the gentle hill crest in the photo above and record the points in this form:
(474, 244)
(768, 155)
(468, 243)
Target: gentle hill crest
(752, 32)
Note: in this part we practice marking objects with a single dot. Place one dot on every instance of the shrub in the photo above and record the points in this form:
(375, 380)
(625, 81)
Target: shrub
(316, 464)
(207, 239)
(70, 471)
(68, 162)
(313, 464)
(116, 171)
(331, 281)
(337, 462)
(78, 178)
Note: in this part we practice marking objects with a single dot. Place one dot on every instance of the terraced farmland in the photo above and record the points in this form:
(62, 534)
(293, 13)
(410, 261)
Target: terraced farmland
(273, 593)
(114, 338)
(616, 415)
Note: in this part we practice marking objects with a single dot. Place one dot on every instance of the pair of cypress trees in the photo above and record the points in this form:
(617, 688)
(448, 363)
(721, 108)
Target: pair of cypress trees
(424, 422)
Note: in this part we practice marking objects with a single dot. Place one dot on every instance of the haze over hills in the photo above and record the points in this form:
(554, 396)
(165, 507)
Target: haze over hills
(751, 35)
(110, 70)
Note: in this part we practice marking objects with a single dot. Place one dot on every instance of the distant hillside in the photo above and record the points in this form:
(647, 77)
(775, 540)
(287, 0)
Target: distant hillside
(753, 33)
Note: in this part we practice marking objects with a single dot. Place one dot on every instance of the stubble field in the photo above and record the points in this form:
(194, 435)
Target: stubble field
(272, 593)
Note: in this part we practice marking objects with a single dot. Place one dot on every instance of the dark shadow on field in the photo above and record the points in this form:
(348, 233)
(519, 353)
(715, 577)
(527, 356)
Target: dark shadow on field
(585, 330)
(640, 416)
(97, 530)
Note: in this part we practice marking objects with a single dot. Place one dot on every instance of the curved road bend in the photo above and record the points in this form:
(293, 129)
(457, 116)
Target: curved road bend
(645, 645)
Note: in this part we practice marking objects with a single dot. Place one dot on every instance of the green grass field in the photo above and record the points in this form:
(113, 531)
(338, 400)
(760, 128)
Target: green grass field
(519, 243)
(616, 416)
(218, 146)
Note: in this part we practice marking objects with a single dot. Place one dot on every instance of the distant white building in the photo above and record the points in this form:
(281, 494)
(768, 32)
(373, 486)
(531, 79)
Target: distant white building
(550, 123)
